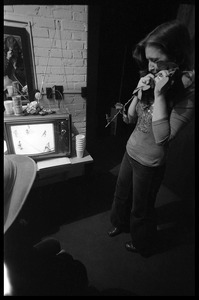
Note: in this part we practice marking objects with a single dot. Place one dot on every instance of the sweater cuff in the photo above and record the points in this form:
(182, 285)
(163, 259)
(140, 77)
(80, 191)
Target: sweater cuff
(157, 122)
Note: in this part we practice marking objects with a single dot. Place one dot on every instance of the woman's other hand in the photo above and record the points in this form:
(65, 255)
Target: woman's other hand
(125, 118)
(162, 82)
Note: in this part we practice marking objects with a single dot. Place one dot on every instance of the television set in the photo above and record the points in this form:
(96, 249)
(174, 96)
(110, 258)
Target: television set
(37, 136)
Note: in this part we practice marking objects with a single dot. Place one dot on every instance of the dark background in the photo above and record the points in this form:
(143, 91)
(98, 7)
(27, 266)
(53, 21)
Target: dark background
(114, 28)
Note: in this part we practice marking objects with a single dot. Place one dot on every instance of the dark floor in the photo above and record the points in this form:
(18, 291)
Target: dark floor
(82, 196)
(76, 212)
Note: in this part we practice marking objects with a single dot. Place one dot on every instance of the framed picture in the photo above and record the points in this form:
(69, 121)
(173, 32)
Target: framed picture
(18, 64)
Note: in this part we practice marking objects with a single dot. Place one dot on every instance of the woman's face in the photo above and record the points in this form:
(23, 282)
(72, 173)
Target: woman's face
(154, 55)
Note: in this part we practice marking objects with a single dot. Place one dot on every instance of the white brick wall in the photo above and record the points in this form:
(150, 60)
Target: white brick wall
(63, 29)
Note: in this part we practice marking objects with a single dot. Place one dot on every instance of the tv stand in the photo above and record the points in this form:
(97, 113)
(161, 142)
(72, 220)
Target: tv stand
(60, 169)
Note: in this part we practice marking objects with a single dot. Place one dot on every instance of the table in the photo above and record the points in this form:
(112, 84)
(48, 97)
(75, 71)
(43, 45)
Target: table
(60, 169)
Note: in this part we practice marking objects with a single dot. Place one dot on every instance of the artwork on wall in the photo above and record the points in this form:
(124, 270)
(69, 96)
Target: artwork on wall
(18, 62)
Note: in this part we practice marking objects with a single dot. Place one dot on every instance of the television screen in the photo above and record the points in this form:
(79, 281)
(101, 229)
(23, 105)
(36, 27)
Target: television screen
(33, 139)
(40, 137)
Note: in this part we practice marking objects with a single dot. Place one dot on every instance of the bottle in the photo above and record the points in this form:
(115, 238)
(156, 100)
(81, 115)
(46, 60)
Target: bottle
(15, 86)
(17, 105)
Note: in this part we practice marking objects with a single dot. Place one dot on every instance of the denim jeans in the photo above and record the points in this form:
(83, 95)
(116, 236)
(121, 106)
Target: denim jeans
(133, 207)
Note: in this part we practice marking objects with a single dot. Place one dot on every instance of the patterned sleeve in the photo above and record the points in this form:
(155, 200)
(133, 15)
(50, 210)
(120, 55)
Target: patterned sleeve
(166, 129)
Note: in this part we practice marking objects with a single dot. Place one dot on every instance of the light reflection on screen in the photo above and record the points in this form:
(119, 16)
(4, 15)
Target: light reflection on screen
(33, 138)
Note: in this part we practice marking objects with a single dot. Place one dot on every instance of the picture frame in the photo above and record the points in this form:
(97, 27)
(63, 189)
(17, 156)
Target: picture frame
(22, 37)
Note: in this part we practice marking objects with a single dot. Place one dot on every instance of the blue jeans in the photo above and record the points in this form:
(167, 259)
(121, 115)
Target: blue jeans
(133, 207)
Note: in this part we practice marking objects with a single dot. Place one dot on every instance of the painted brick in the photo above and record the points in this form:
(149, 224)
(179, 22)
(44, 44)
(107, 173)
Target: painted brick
(62, 70)
(77, 53)
(62, 14)
(75, 45)
(40, 52)
(56, 53)
(84, 36)
(67, 26)
(59, 34)
(56, 79)
(26, 9)
(84, 53)
(70, 99)
(67, 53)
(79, 85)
(45, 11)
(78, 8)
(78, 99)
(72, 25)
(75, 62)
(78, 70)
(76, 78)
(77, 35)
(42, 69)
(85, 45)
(53, 61)
(43, 22)
(43, 42)
(42, 32)
(79, 16)
(69, 86)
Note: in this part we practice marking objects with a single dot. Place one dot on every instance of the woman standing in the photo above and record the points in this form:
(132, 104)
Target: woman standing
(162, 105)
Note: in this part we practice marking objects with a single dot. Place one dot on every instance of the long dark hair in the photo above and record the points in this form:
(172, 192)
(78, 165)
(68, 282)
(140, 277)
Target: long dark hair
(10, 42)
(173, 39)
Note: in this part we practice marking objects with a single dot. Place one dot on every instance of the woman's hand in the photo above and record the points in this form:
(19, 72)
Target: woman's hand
(162, 83)
(125, 118)
(144, 84)
(146, 81)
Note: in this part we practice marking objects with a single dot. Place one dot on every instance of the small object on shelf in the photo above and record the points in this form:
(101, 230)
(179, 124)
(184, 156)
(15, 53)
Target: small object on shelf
(8, 107)
(34, 108)
(38, 96)
(17, 105)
